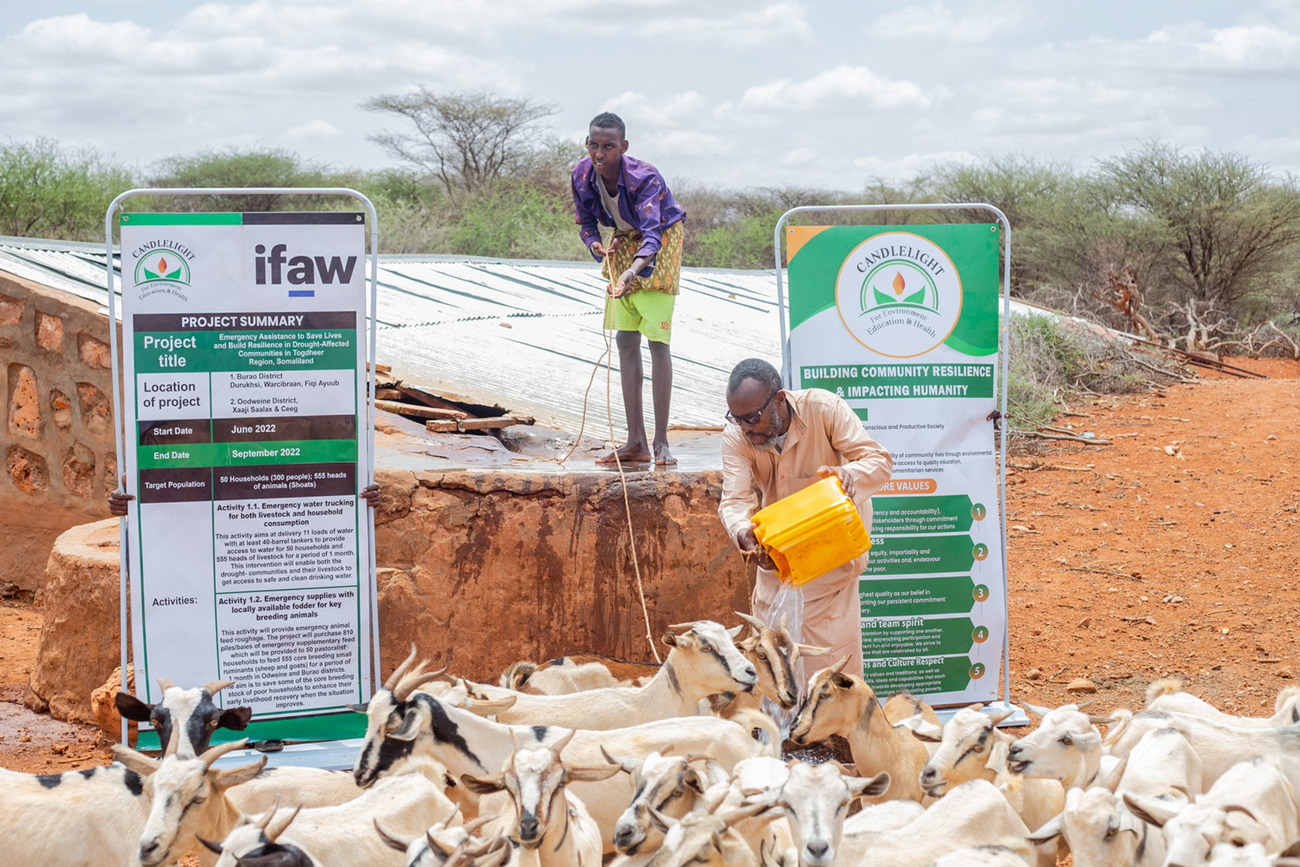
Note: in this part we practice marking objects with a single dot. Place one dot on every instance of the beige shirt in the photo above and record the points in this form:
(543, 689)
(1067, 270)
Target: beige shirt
(823, 431)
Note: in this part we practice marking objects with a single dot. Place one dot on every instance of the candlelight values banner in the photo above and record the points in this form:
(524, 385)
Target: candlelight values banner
(902, 322)
(245, 407)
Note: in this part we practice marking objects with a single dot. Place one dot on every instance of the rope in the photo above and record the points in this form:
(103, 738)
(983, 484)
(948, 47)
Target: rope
(627, 503)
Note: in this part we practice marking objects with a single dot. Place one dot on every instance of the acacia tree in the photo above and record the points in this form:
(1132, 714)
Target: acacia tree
(47, 191)
(258, 167)
(466, 140)
(1230, 228)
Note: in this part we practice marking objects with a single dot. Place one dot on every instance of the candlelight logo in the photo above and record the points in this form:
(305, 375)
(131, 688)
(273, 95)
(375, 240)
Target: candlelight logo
(898, 294)
(162, 266)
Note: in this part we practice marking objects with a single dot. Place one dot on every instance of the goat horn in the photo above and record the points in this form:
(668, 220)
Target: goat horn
(400, 670)
(563, 742)
(215, 686)
(438, 845)
(691, 625)
(276, 827)
(629, 765)
(173, 742)
(417, 677)
(744, 811)
(785, 622)
(214, 848)
(213, 753)
(165, 683)
(1081, 705)
(1036, 709)
(263, 821)
(474, 824)
(753, 621)
(838, 667)
(393, 841)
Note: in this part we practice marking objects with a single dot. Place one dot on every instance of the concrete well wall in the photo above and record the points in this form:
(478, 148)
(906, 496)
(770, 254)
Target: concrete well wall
(478, 568)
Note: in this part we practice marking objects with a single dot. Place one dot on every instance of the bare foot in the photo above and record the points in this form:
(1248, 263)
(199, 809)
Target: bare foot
(663, 457)
(627, 454)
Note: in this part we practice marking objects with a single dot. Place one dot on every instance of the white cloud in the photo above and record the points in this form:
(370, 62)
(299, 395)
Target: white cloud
(977, 22)
(798, 157)
(838, 88)
(676, 109)
(315, 129)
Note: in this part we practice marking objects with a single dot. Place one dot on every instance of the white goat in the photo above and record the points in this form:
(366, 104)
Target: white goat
(971, 747)
(1100, 828)
(1009, 854)
(551, 823)
(73, 819)
(422, 724)
(192, 712)
(187, 798)
(343, 835)
(703, 661)
(668, 784)
(705, 836)
(844, 705)
(445, 844)
(1166, 696)
(1065, 747)
(970, 815)
(816, 800)
(1252, 803)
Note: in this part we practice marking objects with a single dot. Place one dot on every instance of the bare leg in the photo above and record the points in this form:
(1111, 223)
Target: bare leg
(636, 449)
(661, 388)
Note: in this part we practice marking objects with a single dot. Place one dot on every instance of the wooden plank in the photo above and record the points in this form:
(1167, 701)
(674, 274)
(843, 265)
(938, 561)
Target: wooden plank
(419, 411)
(462, 425)
(388, 393)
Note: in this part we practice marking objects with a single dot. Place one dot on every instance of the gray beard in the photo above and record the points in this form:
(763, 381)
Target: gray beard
(770, 444)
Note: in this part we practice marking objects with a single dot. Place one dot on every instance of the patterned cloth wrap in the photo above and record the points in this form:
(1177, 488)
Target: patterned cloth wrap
(667, 263)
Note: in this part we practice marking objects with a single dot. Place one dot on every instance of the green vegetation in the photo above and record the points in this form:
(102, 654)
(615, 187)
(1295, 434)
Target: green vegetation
(1200, 250)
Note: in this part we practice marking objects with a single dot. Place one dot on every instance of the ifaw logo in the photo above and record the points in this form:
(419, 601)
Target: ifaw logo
(278, 266)
(898, 294)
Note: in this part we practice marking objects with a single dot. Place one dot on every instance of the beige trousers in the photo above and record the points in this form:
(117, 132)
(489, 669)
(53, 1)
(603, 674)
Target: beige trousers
(832, 616)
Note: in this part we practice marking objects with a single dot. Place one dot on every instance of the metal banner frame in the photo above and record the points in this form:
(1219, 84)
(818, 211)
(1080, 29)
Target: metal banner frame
(1018, 716)
(119, 384)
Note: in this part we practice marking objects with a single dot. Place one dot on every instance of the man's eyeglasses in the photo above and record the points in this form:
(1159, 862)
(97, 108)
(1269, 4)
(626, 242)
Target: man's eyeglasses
(752, 417)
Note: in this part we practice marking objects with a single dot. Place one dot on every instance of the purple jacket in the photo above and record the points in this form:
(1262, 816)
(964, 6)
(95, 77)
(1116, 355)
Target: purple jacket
(644, 201)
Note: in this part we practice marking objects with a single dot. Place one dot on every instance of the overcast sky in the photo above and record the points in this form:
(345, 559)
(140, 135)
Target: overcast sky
(731, 93)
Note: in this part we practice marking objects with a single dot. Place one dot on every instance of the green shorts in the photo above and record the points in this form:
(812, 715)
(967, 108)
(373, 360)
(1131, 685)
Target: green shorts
(646, 311)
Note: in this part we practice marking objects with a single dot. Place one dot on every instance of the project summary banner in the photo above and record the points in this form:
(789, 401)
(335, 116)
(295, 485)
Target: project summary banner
(245, 407)
(902, 322)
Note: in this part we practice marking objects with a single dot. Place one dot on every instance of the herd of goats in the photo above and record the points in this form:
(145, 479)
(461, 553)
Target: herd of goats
(584, 761)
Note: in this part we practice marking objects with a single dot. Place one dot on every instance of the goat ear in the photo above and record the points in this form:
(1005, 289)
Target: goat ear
(1149, 810)
(138, 762)
(224, 779)
(235, 718)
(692, 779)
(591, 774)
(843, 681)
(359, 708)
(921, 728)
(131, 707)
(1088, 740)
(869, 787)
(669, 639)
(1049, 831)
(412, 722)
(484, 785)
(488, 706)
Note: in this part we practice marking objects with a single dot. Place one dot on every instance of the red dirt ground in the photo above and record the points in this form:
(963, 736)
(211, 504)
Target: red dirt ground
(1169, 551)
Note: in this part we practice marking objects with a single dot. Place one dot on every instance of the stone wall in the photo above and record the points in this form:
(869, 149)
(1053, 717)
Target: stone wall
(477, 568)
(56, 427)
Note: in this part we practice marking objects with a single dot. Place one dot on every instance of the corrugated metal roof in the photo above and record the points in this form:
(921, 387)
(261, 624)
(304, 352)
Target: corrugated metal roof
(525, 335)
